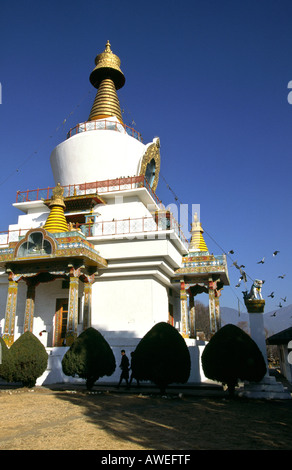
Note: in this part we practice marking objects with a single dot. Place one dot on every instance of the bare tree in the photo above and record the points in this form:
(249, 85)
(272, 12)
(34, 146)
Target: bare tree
(202, 322)
(244, 326)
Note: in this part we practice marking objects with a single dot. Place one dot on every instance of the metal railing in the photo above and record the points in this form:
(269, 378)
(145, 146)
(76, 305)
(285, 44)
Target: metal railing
(105, 186)
(104, 125)
(12, 236)
(131, 226)
(125, 227)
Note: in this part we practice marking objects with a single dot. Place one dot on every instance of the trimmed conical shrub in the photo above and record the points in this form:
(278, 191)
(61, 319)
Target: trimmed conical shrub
(232, 355)
(162, 357)
(27, 360)
(89, 357)
(4, 364)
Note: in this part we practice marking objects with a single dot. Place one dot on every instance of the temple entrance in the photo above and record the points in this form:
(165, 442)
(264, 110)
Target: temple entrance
(61, 317)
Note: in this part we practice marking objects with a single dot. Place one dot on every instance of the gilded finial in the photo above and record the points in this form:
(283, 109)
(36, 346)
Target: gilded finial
(197, 241)
(195, 223)
(57, 197)
(107, 65)
(108, 47)
(107, 77)
(56, 221)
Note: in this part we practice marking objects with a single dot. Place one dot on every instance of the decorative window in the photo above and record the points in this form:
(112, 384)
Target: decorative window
(150, 172)
(34, 245)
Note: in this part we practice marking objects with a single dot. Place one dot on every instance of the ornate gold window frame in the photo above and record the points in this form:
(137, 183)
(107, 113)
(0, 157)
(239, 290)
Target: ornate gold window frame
(152, 153)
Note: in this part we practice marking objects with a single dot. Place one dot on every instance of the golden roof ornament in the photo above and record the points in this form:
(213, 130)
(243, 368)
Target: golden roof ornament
(107, 65)
(57, 198)
(197, 242)
(107, 77)
(196, 225)
(56, 221)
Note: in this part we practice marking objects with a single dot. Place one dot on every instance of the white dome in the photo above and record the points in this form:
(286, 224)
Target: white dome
(97, 155)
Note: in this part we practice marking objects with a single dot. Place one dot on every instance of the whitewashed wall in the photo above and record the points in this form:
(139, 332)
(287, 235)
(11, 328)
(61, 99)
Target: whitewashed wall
(54, 373)
(129, 307)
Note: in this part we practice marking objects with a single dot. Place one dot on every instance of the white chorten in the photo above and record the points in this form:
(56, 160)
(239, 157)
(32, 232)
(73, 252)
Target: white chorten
(114, 265)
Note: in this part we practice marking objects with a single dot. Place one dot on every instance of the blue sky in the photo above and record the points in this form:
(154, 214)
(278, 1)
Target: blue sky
(210, 78)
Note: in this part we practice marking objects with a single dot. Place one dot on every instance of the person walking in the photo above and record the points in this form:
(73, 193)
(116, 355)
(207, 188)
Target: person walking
(124, 365)
(132, 374)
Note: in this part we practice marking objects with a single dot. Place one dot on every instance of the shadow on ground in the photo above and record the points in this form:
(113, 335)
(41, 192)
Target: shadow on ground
(187, 423)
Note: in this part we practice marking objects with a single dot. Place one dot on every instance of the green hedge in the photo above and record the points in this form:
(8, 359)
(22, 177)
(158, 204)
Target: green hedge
(232, 355)
(89, 357)
(4, 367)
(162, 357)
(25, 361)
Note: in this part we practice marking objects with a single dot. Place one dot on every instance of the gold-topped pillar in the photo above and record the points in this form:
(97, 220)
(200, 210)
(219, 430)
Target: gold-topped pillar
(10, 311)
(268, 387)
(255, 308)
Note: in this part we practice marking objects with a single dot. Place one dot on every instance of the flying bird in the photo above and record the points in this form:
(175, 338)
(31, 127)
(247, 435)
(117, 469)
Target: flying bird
(276, 252)
(271, 295)
(273, 314)
(231, 252)
(261, 261)
(285, 298)
(280, 305)
(235, 264)
(282, 277)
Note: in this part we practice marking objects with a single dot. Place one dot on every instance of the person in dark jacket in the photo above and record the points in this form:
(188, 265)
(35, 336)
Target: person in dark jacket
(124, 365)
(132, 374)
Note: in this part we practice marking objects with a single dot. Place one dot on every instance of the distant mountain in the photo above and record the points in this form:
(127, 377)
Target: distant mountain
(273, 324)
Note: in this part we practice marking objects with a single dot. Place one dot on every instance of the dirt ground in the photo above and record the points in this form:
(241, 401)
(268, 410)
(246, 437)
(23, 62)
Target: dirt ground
(45, 419)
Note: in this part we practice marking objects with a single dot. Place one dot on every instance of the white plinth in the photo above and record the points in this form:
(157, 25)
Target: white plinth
(267, 388)
(257, 332)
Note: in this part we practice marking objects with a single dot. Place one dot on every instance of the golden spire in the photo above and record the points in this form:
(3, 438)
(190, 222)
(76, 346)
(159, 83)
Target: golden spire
(197, 242)
(107, 77)
(56, 221)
